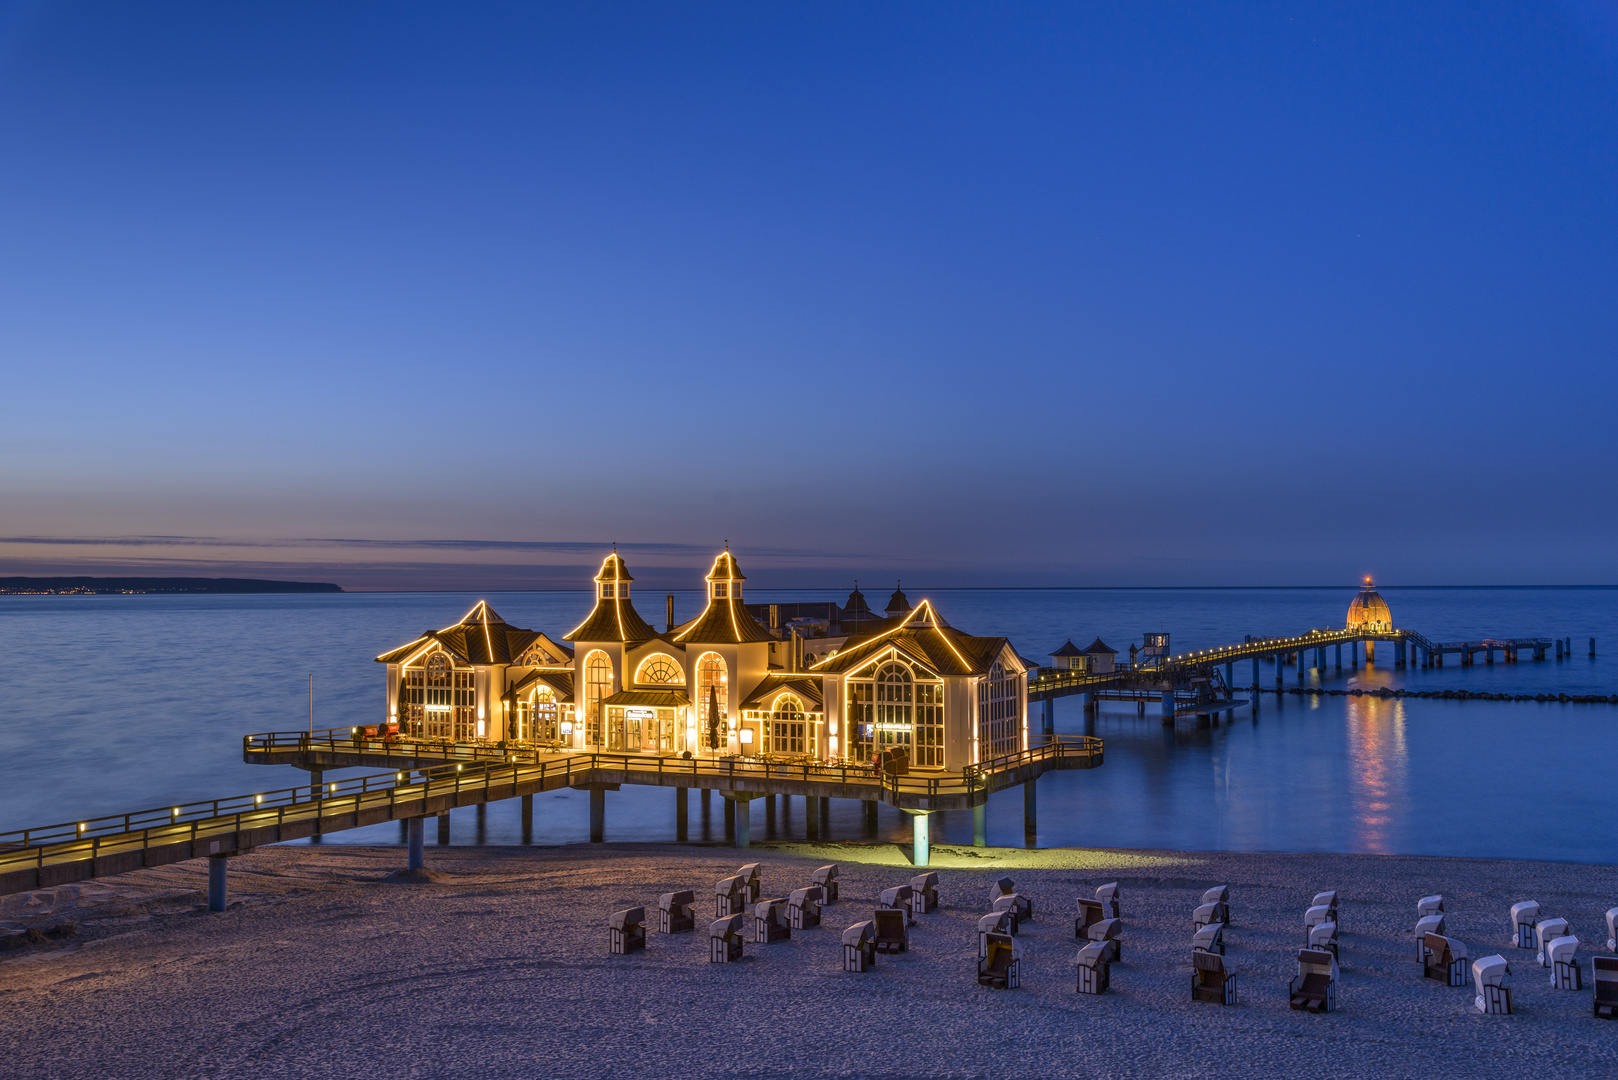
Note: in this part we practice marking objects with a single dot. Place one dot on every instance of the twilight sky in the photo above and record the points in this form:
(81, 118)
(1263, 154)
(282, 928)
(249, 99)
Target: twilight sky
(450, 296)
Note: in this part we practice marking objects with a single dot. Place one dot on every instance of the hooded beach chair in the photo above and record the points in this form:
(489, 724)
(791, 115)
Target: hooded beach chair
(1315, 916)
(1429, 905)
(1090, 913)
(1427, 924)
(924, 893)
(859, 946)
(1002, 887)
(1210, 938)
(730, 897)
(1545, 932)
(1095, 973)
(1206, 914)
(1109, 933)
(1565, 971)
(1219, 897)
(755, 882)
(1108, 896)
(1315, 988)
(897, 898)
(1446, 960)
(1524, 917)
(826, 878)
(770, 921)
(996, 922)
(1213, 978)
(1612, 929)
(1489, 974)
(1324, 936)
(1604, 974)
(1327, 899)
(674, 912)
(803, 908)
(1000, 969)
(1013, 903)
(725, 938)
(626, 931)
(891, 933)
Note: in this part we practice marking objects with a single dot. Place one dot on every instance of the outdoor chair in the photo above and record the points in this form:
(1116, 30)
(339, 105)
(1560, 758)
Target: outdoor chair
(1315, 916)
(1494, 996)
(1108, 932)
(1003, 887)
(996, 922)
(1213, 978)
(1012, 903)
(1315, 988)
(755, 883)
(1090, 913)
(1446, 960)
(1219, 896)
(1324, 936)
(674, 912)
(1206, 914)
(1612, 929)
(1429, 905)
(1427, 924)
(826, 878)
(730, 897)
(1108, 895)
(1210, 938)
(999, 970)
(1095, 974)
(1547, 931)
(891, 934)
(897, 898)
(803, 908)
(1524, 917)
(770, 921)
(626, 931)
(725, 938)
(859, 946)
(923, 893)
(1565, 971)
(1327, 899)
(1604, 971)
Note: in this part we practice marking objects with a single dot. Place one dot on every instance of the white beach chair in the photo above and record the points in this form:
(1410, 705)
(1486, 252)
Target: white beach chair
(1219, 896)
(626, 931)
(1524, 914)
(730, 896)
(803, 908)
(1427, 924)
(897, 898)
(1429, 905)
(1604, 973)
(996, 922)
(1612, 929)
(826, 878)
(1315, 916)
(770, 921)
(674, 912)
(1001, 969)
(1213, 978)
(923, 893)
(1107, 931)
(1090, 913)
(1324, 936)
(1108, 896)
(859, 946)
(1020, 907)
(1206, 914)
(1446, 960)
(1315, 988)
(1095, 973)
(1210, 938)
(1565, 971)
(755, 882)
(1545, 932)
(1489, 975)
(1003, 887)
(1326, 899)
(725, 938)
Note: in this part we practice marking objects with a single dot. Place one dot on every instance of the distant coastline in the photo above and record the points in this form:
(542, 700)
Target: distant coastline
(103, 586)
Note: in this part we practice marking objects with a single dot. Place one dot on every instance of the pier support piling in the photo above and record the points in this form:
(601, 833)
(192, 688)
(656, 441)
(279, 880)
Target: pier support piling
(1030, 811)
(870, 817)
(443, 830)
(811, 818)
(730, 819)
(216, 882)
(1255, 673)
(1168, 704)
(744, 821)
(980, 825)
(528, 819)
(416, 834)
(1339, 656)
(482, 822)
(920, 838)
(682, 813)
(1047, 717)
(598, 815)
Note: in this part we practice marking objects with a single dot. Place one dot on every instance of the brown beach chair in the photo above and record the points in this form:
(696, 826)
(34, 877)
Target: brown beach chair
(923, 893)
(1095, 974)
(803, 908)
(626, 931)
(826, 878)
(891, 935)
(674, 912)
(1212, 978)
(725, 938)
(1446, 960)
(1605, 977)
(1315, 988)
(1000, 969)
(859, 946)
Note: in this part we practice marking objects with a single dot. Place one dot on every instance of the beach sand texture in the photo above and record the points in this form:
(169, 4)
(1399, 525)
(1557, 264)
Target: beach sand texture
(322, 968)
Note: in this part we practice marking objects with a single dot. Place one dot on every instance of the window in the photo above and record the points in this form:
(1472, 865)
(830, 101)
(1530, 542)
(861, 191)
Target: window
(712, 682)
(785, 727)
(719, 590)
(895, 692)
(659, 669)
(861, 719)
(437, 701)
(999, 719)
(930, 725)
(536, 716)
(597, 688)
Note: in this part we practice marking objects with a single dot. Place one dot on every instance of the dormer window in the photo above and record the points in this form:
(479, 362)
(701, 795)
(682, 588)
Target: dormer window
(607, 590)
(719, 590)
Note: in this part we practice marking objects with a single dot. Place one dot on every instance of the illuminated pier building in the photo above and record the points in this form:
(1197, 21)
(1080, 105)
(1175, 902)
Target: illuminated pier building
(814, 681)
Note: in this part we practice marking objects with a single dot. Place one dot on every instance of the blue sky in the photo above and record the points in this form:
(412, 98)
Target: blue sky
(448, 296)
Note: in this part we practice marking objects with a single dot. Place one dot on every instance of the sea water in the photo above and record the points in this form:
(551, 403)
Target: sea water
(121, 703)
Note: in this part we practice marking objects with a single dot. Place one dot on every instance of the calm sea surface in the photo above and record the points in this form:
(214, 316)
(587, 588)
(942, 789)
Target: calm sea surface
(121, 703)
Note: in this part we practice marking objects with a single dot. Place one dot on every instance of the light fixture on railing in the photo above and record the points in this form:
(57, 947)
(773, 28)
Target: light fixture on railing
(258, 799)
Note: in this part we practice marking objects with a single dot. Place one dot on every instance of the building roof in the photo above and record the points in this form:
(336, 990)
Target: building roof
(1368, 607)
(613, 618)
(613, 568)
(856, 603)
(481, 637)
(898, 602)
(928, 640)
(725, 621)
(559, 681)
(1099, 646)
(725, 568)
(1067, 649)
(806, 687)
(657, 699)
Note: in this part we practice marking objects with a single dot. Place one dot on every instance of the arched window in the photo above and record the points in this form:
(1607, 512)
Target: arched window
(999, 714)
(536, 716)
(895, 708)
(597, 688)
(659, 669)
(712, 683)
(786, 733)
(441, 702)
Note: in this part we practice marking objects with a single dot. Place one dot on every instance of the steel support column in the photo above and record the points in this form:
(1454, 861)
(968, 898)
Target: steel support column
(1030, 809)
(216, 882)
(598, 815)
(920, 838)
(980, 825)
(682, 813)
(416, 831)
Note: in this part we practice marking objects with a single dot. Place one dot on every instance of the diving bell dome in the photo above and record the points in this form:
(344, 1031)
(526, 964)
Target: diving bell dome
(1369, 611)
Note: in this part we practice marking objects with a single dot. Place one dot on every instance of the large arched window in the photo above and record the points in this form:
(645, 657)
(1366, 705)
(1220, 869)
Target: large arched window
(786, 732)
(659, 669)
(999, 715)
(536, 716)
(895, 708)
(597, 688)
(712, 684)
(440, 701)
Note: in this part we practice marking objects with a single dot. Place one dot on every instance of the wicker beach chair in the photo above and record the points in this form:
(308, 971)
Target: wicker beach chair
(1095, 973)
(924, 893)
(1109, 932)
(1427, 924)
(730, 897)
(1090, 913)
(1430, 905)
(1002, 887)
(1524, 917)
(859, 946)
(897, 898)
(1315, 988)
(1489, 974)
(826, 878)
(803, 907)
(1316, 916)
(1000, 969)
(1012, 904)
(892, 936)
(1604, 974)
(1324, 936)
(1612, 929)
(1219, 897)
(674, 912)
(725, 938)
(1327, 899)
(1565, 971)
(755, 883)
(1545, 932)
(1446, 960)
(1210, 938)
(1213, 978)
(626, 931)
(770, 921)
(1108, 896)
(996, 922)
(1206, 914)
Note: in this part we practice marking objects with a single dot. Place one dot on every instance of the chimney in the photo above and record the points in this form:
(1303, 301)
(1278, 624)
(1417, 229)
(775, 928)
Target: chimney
(795, 651)
(670, 613)
(775, 616)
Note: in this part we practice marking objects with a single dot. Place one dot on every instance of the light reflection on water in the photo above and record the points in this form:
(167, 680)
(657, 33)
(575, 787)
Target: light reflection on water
(1378, 762)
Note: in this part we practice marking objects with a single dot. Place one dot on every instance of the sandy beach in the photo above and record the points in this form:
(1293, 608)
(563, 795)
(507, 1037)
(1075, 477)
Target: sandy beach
(323, 967)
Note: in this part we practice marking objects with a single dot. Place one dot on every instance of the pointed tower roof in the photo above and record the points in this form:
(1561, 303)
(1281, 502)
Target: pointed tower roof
(898, 603)
(1099, 646)
(480, 637)
(725, 568)
(613, 618)
(856, 602)
(726, 619)
(1067, 649)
